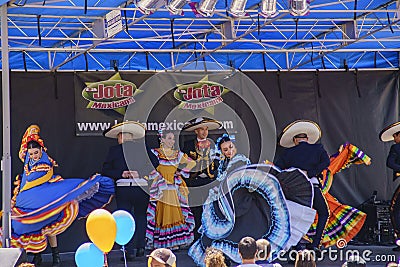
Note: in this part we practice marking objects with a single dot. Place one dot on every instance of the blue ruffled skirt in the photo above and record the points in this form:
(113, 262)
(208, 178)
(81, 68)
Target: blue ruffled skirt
(50, 208)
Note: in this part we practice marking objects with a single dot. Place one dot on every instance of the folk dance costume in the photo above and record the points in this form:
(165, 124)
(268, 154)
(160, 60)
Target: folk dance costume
(170, 222)
(205, 171)
(392, 133)
(344, 221)
(44, 204)
(299, 195)
(247, 192)
(310, 157)
(131, 193)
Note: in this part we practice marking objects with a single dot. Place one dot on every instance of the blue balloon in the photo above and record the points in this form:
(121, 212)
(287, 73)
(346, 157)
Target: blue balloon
(125, 226)
(88, 255)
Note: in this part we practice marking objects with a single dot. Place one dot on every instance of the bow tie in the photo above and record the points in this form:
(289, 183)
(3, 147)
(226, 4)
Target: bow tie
(203, 144)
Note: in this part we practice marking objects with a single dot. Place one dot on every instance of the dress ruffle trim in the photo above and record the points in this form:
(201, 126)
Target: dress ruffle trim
(217, 227)
(177, 234)
(36, 242)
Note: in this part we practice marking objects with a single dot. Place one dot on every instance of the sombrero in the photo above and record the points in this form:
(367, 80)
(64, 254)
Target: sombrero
(387, 133)
(195, 123)
(164, 256)
(310, 128)
(135, 128)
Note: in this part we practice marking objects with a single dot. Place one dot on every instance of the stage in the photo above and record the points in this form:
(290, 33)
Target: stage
(375, 256)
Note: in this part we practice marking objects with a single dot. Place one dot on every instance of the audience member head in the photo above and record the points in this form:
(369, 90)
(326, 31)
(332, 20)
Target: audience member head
(161, 257)
(305, 258)
(214, 258)
(392, 264)
(247, 249)
(263, 249)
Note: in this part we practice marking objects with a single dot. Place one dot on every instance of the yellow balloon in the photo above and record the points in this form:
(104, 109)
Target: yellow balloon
(101, 229)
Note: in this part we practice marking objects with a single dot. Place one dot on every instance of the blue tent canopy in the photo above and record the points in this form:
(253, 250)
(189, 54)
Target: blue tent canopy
(61, 35)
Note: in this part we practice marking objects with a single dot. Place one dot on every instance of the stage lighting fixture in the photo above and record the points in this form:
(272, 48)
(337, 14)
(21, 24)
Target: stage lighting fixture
(148, 6)
(299, 7)
(237, 8)
(207, 7)
(175, 6)
(268, 8)
(398, 242)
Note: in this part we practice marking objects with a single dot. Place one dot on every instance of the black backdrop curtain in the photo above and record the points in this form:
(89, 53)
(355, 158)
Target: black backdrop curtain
(349, 107)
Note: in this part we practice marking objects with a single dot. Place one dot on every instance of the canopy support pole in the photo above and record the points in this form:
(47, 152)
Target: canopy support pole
(6, 159)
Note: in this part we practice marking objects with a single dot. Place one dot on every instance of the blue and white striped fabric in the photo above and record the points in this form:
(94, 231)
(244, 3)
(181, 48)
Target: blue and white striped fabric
(219, 216)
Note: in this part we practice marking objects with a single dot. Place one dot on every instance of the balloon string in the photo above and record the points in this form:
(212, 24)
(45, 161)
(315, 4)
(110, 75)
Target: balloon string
(105, 260)
(124, 252)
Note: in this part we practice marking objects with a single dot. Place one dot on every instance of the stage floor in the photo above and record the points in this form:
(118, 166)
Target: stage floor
(375, 255)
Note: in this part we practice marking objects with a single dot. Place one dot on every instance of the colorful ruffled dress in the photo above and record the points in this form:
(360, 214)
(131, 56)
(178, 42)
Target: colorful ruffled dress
(344, 221)
(45, 204)
(170, 222)
(248, 202)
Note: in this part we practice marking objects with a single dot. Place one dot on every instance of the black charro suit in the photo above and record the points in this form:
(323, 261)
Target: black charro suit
(201, 175)
(312, 158)
(133, 199)
(393, 162)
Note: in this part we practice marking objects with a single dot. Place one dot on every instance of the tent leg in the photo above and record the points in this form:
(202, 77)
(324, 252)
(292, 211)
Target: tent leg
(6, 159)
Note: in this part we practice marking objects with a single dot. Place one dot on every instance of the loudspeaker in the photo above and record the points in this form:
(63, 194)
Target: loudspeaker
(385, 232)
(12, 257)
(377, 228)
(367, 233)
(372, 214)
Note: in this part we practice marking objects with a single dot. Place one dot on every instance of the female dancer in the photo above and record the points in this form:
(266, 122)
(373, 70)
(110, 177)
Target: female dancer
(170, 221)
(230, 211)
(344, 221)
(45, 205)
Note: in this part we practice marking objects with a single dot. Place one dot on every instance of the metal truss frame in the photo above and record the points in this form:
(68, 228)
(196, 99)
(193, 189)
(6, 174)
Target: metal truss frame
(300, 40)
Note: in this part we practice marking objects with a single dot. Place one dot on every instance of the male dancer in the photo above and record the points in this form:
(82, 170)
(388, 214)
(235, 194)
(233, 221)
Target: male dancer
(301, 152)
(128, 163)
(201, 150)
(392, 133)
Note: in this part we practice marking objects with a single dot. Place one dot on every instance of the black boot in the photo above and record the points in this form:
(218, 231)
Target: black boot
(37, 259)
(56, 257)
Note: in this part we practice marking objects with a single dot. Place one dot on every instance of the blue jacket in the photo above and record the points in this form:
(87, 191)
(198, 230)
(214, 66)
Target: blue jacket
(393, 160)
(312, 158)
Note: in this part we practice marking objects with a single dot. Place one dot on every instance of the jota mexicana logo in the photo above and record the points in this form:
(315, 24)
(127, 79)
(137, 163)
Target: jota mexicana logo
(113, 93)
(200, 95)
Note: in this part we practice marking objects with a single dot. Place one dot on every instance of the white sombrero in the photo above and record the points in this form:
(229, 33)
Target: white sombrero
(135, 128)
(310, 128)
(387, 133)
(201, 122)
